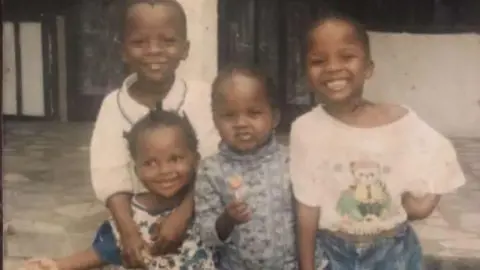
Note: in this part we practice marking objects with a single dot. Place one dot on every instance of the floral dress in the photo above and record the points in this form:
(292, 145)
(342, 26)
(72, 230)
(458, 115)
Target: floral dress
(192, 254)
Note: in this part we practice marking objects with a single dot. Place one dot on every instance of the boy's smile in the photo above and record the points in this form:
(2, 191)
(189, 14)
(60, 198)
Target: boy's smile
(155, 41)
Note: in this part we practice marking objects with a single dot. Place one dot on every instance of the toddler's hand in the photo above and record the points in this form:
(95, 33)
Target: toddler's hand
(238, 212)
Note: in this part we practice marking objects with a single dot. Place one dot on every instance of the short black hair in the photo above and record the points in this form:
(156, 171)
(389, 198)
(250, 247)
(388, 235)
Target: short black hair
(127, 4)
(159, 118)
(332, 15)
(248, 70)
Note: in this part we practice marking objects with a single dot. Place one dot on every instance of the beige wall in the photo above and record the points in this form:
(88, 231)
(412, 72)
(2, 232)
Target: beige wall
(436, 75)
(202, 31)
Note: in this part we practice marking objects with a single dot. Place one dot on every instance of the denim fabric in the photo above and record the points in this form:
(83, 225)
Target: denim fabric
(402, 252)
(106, 246)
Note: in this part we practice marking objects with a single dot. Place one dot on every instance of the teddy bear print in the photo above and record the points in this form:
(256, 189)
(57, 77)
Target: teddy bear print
(367, 199)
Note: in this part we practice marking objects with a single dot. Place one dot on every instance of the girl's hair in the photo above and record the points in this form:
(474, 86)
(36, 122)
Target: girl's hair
(248, 70)
(126, 4)
(360, 30)
(159, 118)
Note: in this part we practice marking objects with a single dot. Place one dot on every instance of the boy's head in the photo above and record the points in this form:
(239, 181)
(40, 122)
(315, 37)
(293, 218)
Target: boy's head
(154, 38)
(163, 146)
(338, 58)
(244, 105)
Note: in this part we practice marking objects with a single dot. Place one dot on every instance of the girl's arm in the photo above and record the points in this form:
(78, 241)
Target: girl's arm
(307, 225)
(209, 206)
(419, 207)
(307, 190)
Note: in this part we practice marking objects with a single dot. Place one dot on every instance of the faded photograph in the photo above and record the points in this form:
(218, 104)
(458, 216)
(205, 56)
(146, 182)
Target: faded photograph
(242, 135)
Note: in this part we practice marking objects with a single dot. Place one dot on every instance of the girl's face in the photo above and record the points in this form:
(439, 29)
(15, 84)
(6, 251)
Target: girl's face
(164, 163)
(337, 62)
(242, 113)
(154, 41)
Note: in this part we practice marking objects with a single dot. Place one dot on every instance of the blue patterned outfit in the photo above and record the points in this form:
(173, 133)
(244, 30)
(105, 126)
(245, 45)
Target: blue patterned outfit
(267, 241)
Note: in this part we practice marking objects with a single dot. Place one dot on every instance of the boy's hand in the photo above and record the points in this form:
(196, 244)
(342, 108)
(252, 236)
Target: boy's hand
(169, 234)
(238, 212)
(132, 247)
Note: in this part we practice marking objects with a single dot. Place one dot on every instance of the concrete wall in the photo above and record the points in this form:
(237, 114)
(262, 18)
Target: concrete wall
(436, 75)
(202, 31)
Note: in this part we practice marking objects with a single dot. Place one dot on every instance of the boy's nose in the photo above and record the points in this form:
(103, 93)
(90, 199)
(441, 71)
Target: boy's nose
(155, 47)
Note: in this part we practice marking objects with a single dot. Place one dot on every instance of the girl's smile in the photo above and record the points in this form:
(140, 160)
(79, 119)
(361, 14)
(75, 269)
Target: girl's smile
(164, 162)
(337, 62)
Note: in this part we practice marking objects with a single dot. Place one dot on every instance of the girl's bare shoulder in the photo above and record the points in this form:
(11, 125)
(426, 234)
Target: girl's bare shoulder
(392, 112)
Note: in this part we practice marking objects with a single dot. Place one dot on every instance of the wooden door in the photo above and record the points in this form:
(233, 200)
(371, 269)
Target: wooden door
(94, 65)
(270, 34)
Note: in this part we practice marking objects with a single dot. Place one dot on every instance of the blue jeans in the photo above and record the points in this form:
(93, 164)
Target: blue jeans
(105, 245)
(401, 252)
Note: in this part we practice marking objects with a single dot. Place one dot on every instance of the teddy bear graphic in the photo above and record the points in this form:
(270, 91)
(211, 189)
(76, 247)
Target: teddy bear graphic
(367, 199)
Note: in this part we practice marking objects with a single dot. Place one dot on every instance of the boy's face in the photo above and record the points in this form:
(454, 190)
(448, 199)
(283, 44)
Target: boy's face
(164, 163)
(337, 62)
(155, 41)
(242, 113)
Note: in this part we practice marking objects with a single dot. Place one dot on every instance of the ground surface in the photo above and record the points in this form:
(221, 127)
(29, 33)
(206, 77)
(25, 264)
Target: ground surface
(51, 210)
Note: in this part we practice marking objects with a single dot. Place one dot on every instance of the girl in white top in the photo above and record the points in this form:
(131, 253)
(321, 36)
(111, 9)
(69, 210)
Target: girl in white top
(362, 170)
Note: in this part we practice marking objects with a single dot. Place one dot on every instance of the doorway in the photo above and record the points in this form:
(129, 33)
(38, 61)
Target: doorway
(270, 34)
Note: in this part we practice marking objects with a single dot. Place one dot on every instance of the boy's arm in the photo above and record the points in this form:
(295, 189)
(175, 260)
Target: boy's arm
(173, 229)
(119, 206)
(307, 225)
(419, 207)
(110, 173)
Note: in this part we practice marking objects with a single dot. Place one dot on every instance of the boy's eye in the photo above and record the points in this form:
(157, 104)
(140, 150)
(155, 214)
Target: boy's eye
(255, 112)
(347, 56)
(317, 61)
(150, 163)
(137, 41)
(227, 115)
(170, 40)
(176, 158)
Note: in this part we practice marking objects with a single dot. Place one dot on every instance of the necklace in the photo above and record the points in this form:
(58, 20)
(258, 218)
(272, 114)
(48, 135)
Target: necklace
(177, 110)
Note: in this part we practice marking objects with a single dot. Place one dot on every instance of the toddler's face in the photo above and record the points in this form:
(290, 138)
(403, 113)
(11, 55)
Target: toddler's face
(154, 41)
(337, 62)
(164, 163)
(242, 113)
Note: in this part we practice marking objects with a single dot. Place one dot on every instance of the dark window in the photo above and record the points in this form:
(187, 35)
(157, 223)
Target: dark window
(417, 16)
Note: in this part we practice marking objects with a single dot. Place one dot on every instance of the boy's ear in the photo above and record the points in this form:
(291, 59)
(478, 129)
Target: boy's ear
(369, 70)
(186, 50)
(276, 117)
(123, 55)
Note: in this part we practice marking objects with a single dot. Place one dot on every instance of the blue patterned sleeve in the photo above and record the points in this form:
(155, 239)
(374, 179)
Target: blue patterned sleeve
(208, 204)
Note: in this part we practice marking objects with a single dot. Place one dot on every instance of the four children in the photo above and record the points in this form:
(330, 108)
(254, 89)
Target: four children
(360, 170)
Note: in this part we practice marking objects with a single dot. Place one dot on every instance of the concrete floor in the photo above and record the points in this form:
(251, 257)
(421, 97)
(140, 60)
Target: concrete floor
(51, 210)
